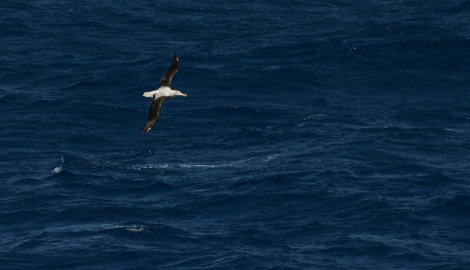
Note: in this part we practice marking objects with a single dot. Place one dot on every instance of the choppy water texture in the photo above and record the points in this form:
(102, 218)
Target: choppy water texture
(326, 135)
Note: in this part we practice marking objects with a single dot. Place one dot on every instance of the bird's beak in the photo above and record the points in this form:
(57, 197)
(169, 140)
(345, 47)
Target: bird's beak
(184, 95)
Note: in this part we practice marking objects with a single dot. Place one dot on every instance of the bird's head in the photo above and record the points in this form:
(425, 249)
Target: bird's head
(179, 93)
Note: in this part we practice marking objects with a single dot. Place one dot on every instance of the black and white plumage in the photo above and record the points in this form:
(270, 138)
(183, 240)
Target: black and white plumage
(162, 92)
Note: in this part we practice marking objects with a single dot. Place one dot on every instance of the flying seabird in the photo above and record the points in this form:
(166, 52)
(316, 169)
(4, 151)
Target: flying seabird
(162, 92)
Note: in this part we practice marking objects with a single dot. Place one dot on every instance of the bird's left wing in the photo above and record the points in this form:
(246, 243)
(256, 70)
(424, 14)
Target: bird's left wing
(154, 113)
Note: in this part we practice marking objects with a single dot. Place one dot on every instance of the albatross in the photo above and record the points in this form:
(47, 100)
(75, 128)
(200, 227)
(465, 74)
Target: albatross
(162, 92)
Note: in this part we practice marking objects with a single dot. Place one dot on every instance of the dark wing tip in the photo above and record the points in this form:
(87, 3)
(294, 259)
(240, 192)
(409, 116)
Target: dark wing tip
(146, 129)
(175, 58)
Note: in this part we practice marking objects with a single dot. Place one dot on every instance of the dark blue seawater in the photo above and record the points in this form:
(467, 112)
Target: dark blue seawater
(315, 135)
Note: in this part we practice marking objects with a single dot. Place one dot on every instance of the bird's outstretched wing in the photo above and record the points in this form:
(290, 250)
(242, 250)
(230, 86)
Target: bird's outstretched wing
(166, 78)
(154, 113)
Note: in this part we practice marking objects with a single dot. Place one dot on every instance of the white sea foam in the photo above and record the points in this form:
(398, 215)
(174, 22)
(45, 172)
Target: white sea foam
(315, 117)
(173, 166)
(271, 157)
(187, 165)
(455, 130)
(59, 168)
(136, 228)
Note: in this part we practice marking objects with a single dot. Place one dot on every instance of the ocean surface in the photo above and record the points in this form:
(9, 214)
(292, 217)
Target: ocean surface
(315, 135)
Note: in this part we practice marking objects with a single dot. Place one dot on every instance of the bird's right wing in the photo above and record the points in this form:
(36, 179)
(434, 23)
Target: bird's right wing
(166, 78)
